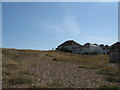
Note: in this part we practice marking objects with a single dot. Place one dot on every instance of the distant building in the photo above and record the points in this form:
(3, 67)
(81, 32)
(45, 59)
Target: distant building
(115, 53)
(106, 49)
(70, 46)
(88, 48)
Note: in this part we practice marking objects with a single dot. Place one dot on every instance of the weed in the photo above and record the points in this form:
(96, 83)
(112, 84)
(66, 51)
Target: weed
(34, 65)
(87, 67)
(46, 55)
(25, 72)
(54, 59)
(110, 86)
(55, 84)
(105, 72)
(37, 86)
(112, 79)
(19, 80)
(6, 73)
(11, 66)
(109, 72)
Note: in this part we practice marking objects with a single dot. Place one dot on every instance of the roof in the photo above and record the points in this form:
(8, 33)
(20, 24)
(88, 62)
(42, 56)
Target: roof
(115, 47)
(87, 45)
(70, 43)
(95, 44)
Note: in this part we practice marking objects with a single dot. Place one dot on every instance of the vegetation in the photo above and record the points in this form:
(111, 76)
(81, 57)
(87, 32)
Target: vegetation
(100, 62)
(17, 66)
(113, 79)
(95, 61)
(19, 80)
(110, 86)
(54, 84)
(87, 67)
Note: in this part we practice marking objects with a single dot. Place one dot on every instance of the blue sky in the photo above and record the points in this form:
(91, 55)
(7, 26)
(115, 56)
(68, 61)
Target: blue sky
(44, 26)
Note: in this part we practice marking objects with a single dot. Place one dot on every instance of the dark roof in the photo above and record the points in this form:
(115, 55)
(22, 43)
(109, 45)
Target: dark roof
(106, 46)
(102, 45)
(70, 43)
(95, 44)
(87, 45)
(115, 47)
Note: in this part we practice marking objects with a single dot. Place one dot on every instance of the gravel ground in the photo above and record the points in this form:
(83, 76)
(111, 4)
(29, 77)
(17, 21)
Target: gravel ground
(49, 72)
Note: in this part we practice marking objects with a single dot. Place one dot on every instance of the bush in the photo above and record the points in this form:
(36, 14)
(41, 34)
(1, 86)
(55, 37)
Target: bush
(19, 80)
(110, 86)
(108, 72)
(55, 84)
(25, 72)
(112, 79)
(105, 72)
(87, 67)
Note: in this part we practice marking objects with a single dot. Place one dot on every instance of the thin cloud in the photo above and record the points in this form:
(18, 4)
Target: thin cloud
(71, 26)
(56, 28)
(68, 25)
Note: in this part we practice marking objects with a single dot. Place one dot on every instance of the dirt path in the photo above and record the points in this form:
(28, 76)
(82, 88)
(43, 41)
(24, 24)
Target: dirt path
(52, 73)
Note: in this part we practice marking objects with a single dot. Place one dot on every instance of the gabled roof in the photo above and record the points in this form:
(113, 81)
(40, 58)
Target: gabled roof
(70, 43)
(115, 47)
(95, 44)
(87, 45)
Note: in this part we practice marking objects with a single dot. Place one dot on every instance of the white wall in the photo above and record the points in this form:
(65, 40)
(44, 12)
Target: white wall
(82, 50)
(91, 49)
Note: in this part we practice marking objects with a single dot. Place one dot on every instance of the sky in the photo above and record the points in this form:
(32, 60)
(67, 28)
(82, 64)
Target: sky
(45, 25)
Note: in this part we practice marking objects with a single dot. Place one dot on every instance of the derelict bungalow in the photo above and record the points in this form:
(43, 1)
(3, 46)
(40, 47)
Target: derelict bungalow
(115, 53)
(88, 48)
(70, 46)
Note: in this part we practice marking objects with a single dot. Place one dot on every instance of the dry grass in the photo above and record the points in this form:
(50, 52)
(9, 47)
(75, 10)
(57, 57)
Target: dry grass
(109, 87)
(84, 61)
(19, 80)
(100, 62)
(113, 79)
(17, 65)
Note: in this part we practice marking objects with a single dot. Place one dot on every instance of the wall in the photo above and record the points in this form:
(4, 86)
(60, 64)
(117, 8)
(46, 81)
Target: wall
(74, 49)
(115, 57)
(91, 49)
(82, 50)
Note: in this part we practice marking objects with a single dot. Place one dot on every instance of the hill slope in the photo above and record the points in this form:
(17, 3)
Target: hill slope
(52, 69)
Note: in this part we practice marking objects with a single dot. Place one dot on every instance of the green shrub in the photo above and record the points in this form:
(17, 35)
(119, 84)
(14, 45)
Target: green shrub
(105, 72)
(25, 72)
(110, 86)
(46, 55)
(87, 67)
(112, 79)
(108, 72)
(55, 84)
(19, 80)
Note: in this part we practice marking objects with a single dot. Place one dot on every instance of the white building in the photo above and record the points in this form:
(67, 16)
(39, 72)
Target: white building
(91, 49)
(70, 46)
(88, 48)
